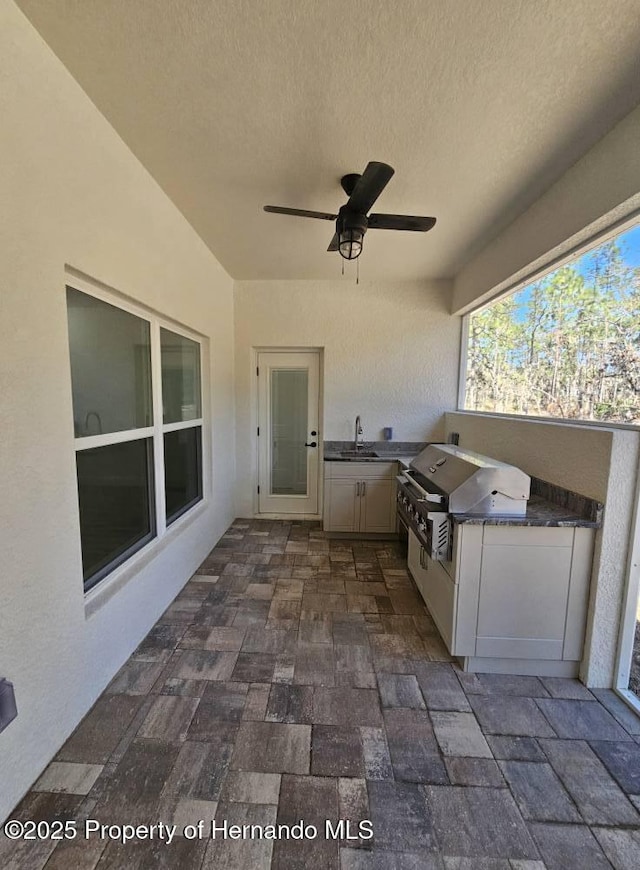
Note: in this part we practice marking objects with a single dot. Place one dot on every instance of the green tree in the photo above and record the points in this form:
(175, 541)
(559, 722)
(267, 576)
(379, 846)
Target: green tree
(566, 346)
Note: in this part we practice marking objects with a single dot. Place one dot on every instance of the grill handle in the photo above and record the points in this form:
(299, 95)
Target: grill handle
(426, 496)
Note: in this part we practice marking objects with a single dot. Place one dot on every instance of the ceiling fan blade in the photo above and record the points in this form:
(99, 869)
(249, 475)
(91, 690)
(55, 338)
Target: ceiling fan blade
(300, 212)
(369, 187)
(400, 222)
(334, 244)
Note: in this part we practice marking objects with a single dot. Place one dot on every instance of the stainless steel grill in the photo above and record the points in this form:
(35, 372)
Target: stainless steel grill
(445, 479)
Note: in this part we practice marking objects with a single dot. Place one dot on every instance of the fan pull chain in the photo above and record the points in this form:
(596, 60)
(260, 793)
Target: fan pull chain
(358, 270)
(342, 267)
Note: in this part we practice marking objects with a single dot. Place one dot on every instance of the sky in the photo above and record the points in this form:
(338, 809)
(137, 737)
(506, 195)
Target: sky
(632, 239)
(629, 243)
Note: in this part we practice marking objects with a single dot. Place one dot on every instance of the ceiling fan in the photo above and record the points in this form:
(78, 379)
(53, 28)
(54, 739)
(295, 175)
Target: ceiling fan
(352, 221)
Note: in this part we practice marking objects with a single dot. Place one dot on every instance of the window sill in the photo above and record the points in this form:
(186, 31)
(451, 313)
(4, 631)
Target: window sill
(103, 592)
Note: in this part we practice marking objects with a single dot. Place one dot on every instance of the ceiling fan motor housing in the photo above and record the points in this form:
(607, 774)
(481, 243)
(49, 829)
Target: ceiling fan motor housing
(351, 220)
(349, 182)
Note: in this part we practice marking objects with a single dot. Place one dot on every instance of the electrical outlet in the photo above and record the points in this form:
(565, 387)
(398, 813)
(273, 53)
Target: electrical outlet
(8, 709)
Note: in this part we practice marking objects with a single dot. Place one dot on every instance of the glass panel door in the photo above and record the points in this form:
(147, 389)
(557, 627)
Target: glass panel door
(289, 404)
(289, 438)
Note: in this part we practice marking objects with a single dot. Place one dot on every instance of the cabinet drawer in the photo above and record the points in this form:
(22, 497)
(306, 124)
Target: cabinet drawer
(527, 536)
(361, 470)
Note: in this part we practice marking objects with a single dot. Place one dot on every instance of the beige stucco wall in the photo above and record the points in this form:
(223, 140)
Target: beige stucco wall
(601, 188)
(575, 457)
(71, 192)
(390, 355)
(597, 462)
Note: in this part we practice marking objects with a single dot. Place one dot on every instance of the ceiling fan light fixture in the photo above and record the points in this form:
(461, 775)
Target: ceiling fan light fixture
(350, 244)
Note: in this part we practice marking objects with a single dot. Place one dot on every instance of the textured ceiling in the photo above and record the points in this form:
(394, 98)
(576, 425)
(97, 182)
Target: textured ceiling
(231, 104)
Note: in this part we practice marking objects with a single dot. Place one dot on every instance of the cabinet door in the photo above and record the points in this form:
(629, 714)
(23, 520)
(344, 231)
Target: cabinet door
(378, 506)
(523, 600)
(441, 597)
(414, 561)
(437, 589)
(342, 506)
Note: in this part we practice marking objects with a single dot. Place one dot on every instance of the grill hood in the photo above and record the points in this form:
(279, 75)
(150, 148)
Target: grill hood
(470, 482)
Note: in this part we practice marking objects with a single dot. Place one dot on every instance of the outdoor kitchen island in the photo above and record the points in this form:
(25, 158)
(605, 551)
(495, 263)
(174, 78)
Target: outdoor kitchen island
(503, 561)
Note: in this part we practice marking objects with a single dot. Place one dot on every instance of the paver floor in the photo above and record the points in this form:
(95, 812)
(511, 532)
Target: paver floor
(297, 678)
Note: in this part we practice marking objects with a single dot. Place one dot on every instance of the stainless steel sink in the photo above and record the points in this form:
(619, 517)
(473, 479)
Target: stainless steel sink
(355, 454)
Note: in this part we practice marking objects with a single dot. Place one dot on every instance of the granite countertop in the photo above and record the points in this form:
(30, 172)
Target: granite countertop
(381, 457)
(386, 451)
(540, 512)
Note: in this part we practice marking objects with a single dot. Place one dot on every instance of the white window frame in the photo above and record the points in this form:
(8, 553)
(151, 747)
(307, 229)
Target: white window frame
(156, 432)
(628, 619)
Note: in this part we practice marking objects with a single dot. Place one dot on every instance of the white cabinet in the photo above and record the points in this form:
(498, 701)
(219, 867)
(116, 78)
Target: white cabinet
(342, 505)
(360, 497)
(513, 599)
(436, 587)
(377, 506)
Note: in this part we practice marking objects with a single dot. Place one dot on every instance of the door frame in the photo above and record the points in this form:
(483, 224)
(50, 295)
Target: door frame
(255, 415)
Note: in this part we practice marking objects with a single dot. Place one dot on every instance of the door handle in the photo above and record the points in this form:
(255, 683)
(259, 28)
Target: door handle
(312, 444)
(364, 488)
(357, 489)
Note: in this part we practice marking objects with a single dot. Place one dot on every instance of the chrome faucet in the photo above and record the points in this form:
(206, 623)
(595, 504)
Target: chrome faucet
(358, 432)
